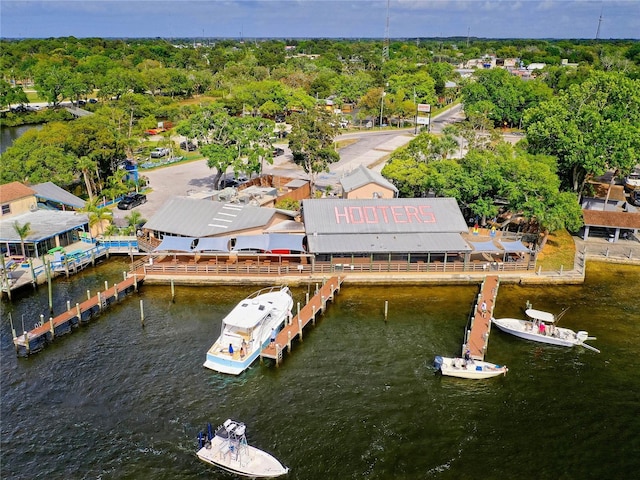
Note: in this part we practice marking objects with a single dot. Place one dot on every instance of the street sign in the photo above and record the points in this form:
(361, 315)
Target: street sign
(424, 107)
(422, 120)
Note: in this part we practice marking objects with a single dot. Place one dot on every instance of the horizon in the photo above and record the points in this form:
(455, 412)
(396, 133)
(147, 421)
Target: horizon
(322, 19)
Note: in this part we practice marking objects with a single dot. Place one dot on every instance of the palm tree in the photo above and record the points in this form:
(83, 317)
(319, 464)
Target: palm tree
(134, 219)
(97, 215)
(23, 232)
(87, 167)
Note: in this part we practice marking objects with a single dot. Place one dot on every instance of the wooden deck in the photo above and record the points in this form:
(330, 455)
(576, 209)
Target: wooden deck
(477, 334)
(45, 331)
(306, 314)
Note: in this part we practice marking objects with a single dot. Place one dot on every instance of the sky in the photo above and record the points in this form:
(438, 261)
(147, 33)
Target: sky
(604, 19)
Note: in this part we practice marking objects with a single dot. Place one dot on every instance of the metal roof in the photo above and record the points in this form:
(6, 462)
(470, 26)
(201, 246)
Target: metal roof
(364, 176)
(50, 191)
(205, 218)
(44, 224)
(390, 243)
(392, 215)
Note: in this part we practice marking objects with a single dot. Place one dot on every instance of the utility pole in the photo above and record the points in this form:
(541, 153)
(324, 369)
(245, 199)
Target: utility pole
(599, 23)
(385, 46)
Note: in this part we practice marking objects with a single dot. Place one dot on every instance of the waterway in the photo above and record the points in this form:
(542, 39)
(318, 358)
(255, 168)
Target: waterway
(8, 135)
(358, 398)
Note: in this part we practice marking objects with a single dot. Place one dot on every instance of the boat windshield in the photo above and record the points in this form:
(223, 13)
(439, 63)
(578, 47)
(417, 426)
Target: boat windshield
(540, 315)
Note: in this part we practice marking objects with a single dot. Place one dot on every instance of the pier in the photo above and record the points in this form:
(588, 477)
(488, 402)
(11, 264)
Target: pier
(477, 331)
(306, 314)
(45, 331)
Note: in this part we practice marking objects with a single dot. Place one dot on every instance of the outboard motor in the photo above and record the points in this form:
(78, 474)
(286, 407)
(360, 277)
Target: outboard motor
(209, 432)
(437, 362)
(200, 440)
(582, 336)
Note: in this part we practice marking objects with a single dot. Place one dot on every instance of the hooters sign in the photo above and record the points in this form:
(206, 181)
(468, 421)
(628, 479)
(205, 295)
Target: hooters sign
(384, 214)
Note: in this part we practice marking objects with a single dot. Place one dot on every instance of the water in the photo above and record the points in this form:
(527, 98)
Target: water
(357, 398)
(8, 135)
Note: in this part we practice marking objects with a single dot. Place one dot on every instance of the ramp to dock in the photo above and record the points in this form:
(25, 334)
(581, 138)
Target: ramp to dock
(307, 314)
(477, 333)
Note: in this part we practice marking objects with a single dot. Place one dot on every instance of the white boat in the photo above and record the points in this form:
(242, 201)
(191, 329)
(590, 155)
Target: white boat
(477, 369)
(247, 329)
(227, 448)
(541, 327)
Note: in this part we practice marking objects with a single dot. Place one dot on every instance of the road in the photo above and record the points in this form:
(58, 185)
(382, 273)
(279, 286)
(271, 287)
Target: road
(370, 149)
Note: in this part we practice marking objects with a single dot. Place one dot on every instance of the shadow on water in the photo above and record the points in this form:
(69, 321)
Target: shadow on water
(357, 397)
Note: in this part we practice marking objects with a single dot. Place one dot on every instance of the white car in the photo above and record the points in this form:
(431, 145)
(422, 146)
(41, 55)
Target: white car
(159, 152)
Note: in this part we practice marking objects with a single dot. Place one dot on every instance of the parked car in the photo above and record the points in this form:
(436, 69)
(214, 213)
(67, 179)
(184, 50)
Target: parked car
(93, 100)
(188, 146)
(228, 182)
(159, 152)
(634, 198)
(132, 200)
(632, 181)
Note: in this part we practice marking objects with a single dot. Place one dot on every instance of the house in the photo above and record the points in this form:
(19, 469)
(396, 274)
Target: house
(364, 183)
(48, 229)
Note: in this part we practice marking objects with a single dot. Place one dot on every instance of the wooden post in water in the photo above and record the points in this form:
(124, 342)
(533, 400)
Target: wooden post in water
(288, 340)
(298, 310)
(51, 328)
(34, 280)
(47, 266)
(88, 294)
(66, 266)
(99, 300)
(41, 320)
(173, 291)
(5, 277)
(323, 303)
(313, 311)
(106, 285)
(68, 305)
(306, 298)
(115, 291)
(142, 313)
(78, 312)
(386, 309)
(93, 258)
(300, 327)
(13, 332)
(135, 282)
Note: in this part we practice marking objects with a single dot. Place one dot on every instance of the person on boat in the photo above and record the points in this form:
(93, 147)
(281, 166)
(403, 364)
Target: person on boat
(542, 329)
(230, 349)
(273, 336)
(243, 348)
(467, 356)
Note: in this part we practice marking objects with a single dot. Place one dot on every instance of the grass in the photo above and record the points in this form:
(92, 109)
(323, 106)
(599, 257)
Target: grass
(558, 252)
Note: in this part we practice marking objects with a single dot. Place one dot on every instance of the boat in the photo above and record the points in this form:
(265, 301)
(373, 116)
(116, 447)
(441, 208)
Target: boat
(228, 449)
(461, 368)
(540, 326)
(248, 328)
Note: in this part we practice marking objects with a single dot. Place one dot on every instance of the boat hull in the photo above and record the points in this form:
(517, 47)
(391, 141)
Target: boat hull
(474, 369)
(253, 462)
(272, 310)
(528, 331)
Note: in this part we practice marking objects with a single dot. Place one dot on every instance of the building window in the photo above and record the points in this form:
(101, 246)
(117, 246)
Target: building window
(6, 209)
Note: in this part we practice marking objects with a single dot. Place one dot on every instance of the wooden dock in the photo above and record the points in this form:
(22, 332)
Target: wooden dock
(45, 331)
(477, 332)
(306, 314)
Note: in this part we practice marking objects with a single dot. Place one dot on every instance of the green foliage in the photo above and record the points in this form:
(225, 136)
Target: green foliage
(311, 142)
(592, 127)
(288, 204)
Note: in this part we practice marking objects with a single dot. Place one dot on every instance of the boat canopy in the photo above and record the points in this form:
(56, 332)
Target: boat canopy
(540, 315)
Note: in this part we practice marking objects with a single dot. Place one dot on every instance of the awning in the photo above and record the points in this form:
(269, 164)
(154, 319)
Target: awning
(175, 244)
(270, 242)
(514, 247)
(213, 244)
(485, 247)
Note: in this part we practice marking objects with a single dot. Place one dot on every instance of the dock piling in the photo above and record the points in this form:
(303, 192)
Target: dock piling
(106, 285)
(300, 327)
(47, 267)
(51, 328)
(88, 294)
(68, 305)
(386, 309)
(173, 291)
(79, 312)
(115, 291)
(99, 300)
(142, 313)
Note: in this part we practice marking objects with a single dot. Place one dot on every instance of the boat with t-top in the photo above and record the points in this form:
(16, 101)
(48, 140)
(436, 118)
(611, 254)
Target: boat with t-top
(542, 327)
(228, 449)
(468, 368)
(247, 329)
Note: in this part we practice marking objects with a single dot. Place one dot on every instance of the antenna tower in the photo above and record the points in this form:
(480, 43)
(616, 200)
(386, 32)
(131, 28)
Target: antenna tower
(385, 46)
(599, 22)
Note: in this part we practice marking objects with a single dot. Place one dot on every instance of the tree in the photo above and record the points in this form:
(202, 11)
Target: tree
(11, 95)
(591, 127)
(134, 220)
(52, 80)
(87, 167)
(97, 215)
(311, 142)
(23, 231)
